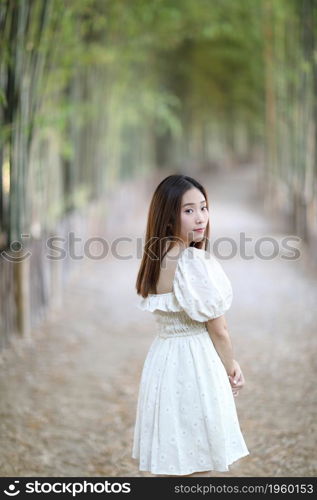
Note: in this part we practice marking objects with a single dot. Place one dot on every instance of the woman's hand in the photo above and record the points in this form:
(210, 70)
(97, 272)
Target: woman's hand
(236, 379)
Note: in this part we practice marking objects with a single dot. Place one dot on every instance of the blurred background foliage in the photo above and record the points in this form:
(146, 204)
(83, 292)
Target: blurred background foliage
(96, 91)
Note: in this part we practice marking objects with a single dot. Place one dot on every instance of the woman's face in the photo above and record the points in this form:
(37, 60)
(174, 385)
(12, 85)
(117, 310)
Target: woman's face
(194, 215)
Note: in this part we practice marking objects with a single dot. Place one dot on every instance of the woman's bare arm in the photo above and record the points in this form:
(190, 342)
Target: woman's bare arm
(219, 334)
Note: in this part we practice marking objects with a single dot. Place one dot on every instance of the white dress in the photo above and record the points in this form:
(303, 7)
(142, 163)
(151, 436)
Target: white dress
(186, 419)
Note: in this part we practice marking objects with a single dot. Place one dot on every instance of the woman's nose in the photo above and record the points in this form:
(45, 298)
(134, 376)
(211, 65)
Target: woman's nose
(199, 218)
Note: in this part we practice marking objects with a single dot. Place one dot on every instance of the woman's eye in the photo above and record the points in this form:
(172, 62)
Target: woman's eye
(192, 209)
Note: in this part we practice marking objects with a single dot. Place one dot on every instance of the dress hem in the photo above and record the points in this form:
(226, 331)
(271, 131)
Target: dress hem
(199, 469)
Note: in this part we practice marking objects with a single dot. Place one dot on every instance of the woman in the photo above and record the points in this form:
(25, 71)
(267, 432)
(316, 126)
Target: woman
(186, 420)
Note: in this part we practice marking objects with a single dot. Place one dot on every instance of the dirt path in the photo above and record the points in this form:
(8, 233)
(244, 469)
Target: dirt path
(68, 398)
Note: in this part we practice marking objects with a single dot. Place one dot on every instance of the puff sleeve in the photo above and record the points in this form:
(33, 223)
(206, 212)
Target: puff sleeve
(201, 286)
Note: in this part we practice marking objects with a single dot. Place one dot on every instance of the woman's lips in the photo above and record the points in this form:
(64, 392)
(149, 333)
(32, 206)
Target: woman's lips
(201, 230)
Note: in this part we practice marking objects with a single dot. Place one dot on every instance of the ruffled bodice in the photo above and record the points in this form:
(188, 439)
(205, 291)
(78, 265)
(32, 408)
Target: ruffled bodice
(201, 291)
(177, 324)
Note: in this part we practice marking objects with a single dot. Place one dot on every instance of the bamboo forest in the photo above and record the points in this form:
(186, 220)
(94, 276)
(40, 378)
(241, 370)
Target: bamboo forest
(100, 101)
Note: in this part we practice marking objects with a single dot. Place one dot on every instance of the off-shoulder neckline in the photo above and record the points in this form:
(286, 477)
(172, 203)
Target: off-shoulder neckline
(177, 265)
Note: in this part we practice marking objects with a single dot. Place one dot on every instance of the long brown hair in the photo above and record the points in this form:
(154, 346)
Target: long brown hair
(163, 226)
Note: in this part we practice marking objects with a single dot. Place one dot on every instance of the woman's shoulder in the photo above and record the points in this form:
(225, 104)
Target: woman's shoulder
(198, 256)
(201, 286)
(197, 263)
(180, 257)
